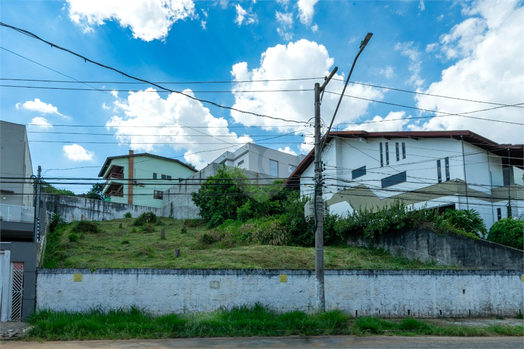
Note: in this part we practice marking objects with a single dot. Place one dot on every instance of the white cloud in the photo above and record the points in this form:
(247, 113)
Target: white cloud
(407, 49)
(76, 152)
(394, 121)
(285, 21)
(306, 10)
(491, 70)
(295, 60)
(421, 5)
(148, 20)
(314, 28)
(287, 150)
(40, 122)
(387, 72)
(105, 106)
(244, 17)
(173, 118)
(40, 107)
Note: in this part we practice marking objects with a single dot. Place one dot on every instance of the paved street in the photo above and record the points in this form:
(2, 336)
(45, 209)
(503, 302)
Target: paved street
(377, 342)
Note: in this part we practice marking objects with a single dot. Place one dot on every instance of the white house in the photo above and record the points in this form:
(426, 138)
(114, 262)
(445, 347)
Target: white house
(256, 158)
(141, 179)
(455, 169)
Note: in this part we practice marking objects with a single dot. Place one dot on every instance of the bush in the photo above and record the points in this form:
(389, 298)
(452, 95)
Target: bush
(86, 227)
(127, 215)
(193, 223)
(146, 217)
(73, 237)
(468, 221)
(508, 231)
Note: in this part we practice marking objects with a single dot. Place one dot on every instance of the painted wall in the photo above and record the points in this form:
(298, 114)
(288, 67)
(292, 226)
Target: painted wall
(386, 293)
(72, 208)
(15, 161)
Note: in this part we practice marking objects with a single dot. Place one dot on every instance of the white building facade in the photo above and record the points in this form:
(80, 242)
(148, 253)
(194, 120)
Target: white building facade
(427, 169)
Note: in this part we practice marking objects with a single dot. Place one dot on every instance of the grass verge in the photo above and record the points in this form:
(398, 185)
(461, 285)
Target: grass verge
(241, 321)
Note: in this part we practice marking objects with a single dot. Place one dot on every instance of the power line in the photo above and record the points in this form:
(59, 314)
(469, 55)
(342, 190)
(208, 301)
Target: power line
(32, 35)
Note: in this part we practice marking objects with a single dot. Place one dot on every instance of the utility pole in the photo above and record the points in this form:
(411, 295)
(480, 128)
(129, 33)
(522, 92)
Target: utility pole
(319, 201)
(37, 205)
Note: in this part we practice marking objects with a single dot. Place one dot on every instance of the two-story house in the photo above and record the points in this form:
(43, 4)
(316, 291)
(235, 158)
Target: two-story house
(426, 169)
(141, 179)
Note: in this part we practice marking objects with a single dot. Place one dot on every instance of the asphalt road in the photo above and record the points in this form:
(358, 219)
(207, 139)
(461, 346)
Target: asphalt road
(376, 342)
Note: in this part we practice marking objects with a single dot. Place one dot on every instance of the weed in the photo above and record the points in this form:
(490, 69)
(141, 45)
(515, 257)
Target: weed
(146, 217)
(125, 242)
(120, 226)
(148, 228)
(86, 227)
(73, 237)
(183, 230)
(127, 215)
(519, 315)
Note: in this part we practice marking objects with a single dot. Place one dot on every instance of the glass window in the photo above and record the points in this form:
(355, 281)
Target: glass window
(359, 172)
(164, 177)
(381, 155)
(273, 168)
(240, 163)
(387, 153)
(292, 168)
(403, 150)
(155, 176)
(157, 194)
(397, 151)
(395, 179)
(169, 177)
(439, 172)
(446, 161)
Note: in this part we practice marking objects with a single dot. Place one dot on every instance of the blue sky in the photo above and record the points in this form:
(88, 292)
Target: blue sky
(249, 55)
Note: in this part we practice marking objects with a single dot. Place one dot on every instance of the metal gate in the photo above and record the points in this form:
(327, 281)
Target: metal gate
(18, 290)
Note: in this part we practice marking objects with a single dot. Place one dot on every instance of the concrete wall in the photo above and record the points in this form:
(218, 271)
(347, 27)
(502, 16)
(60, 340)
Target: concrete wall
(178, 202)
(72, 208)
(447, 249)
(386, 293)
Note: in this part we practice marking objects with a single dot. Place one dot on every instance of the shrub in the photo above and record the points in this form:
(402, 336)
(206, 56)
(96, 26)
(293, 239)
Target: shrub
(193, 223)
(508, 231)
(468, 221)
(183, 230)
(148, 228)
(146, 217)
(73, 237)
(86, 227)
(127, 215)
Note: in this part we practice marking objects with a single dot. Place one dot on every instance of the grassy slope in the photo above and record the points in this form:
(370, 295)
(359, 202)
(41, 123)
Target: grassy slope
(122, 245)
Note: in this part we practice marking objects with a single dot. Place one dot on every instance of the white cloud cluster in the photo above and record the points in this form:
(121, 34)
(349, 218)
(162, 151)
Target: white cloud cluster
(148, 20)
(295, 60)
(287, 150)
(409, 50)
(285, 20)
(40, 122)
(38, 106)
(306, 10)
(394, 121)
(76, 152)
(244, 17)
(489, 67)
(150, 121)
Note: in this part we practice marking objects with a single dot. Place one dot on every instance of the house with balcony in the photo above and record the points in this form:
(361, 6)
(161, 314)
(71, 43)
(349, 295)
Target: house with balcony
(141, 179)
(19, 233)
(425, 169)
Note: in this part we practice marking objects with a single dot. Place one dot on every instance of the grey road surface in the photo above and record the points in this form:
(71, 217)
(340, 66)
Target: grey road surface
(376, 342)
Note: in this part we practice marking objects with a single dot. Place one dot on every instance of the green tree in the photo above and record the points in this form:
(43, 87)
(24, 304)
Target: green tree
(47, 188)
(96, 192)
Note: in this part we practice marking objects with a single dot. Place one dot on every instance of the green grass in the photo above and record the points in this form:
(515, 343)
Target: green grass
(242, 321)
(120, 244)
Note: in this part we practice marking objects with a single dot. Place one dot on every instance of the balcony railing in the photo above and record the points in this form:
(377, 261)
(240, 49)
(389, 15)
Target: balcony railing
(13, 213)
(115, 175)
(115, 193)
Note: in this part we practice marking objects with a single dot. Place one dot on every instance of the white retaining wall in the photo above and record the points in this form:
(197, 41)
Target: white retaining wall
(385, 293)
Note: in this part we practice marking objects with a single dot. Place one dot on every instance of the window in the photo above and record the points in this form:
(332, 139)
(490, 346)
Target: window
(387, 153)
(168, 178)
(499, 214)
(155, 176)
(157, 194)
(240, 163)
(403, 150)
(273, 168)
(395, 179)
(397, 151)
(292, 168)
(164, 177)
(381, 156)
(439, 172)
(359, 172)
(446, 161)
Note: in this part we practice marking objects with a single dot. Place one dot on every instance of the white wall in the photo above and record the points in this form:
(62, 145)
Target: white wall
(387, 293)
